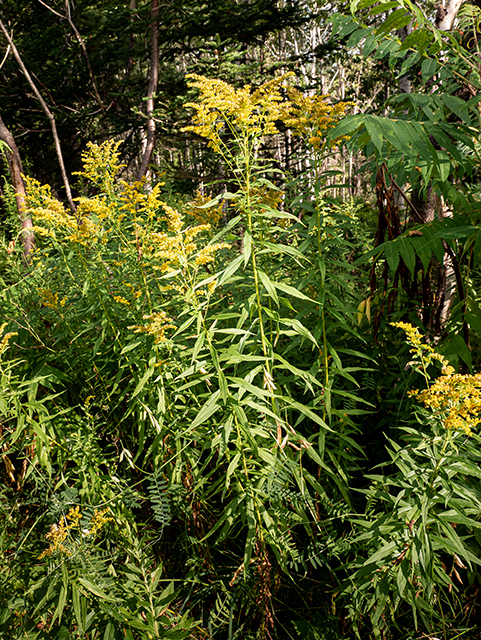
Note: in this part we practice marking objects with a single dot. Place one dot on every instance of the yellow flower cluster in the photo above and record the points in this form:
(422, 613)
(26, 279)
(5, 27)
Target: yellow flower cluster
(50, 299)
(311, 116)
(50, 216)
(425, 352)
(97, 522)
(137, 202)
(174, 251)
(206, 254)
(257, 113)
(252, 112)
(455, 397)
(97, 207)
(101, 164)
(160, 322)
(208, 215)
(133, 218)
(5, 339)
(59, 532)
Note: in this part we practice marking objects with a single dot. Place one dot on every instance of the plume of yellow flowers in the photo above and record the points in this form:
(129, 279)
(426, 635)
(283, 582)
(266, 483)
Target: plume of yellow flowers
(59, 533)
(221, 105)
(457, 398)
(205, 215)
(454, 397)
(311, 116)
(138, 203)
(173, 249)
(5, 339)
(101, 165)
(50, 216)
(159, 323)
(256, 113)
(50, 299)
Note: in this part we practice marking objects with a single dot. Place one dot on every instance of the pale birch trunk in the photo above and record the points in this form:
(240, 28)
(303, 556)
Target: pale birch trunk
(153, 82)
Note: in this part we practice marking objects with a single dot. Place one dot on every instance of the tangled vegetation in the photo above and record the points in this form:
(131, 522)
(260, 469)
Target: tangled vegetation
(212, 424)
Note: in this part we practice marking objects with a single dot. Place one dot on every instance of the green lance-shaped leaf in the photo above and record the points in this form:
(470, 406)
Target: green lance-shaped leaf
(208, 409)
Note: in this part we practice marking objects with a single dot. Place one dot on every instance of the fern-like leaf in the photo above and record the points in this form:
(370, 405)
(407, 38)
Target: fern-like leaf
(159, 500)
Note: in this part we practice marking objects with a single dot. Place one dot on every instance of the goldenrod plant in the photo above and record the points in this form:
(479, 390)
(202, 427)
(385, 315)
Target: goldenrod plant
(179, 363)
(422, 525)
(183, 392)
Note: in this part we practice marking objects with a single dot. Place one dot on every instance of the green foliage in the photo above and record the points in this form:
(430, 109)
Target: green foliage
(193, 409)
(194, 388)
(421, 528)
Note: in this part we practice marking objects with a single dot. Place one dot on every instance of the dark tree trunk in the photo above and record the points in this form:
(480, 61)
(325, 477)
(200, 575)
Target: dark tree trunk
(16, 170)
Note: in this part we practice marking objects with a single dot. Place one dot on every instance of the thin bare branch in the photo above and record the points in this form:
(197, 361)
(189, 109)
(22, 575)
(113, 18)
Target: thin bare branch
(5, 56)
(47, 112)
(85, 54)
(81, 42)
(52, 10)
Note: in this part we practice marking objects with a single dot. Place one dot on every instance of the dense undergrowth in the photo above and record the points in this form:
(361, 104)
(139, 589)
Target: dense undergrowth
(193, 405)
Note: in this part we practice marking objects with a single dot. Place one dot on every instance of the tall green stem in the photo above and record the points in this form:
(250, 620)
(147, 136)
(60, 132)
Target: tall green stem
(319, 249)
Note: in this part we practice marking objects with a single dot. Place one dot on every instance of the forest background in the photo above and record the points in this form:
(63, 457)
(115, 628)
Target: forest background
(240, 328)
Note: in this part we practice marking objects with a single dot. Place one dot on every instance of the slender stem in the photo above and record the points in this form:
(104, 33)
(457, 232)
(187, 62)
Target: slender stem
(248, 207)
(323, 316)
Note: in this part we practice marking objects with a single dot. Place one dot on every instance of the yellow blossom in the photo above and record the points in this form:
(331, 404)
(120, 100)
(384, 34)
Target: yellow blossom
(97, 522)
(425, 352)
(160, 322)
(311, 116)
(253, 112)
(101, 164)
(206, 254)
(174, 219)
(50, 299)
(50, 216)
(211, 286)
(454, 397)
(97, 207)
(205, 215)
(60, 532)
(5, 339)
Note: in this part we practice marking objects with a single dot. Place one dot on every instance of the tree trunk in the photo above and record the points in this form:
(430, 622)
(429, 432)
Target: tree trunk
(16, 170)
(405, 85)
(154, 79)
(445, 16)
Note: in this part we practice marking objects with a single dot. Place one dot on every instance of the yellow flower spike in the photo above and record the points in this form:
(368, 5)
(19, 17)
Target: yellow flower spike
(454, 397)
(98, 521)
(208, 216)
(60, 532)
(73, 517)
(174, 219)
(206, 254)
(160, 322)
(310, 117)
(101, 164)
(50, 299)
(255, 113)
(5, 339)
